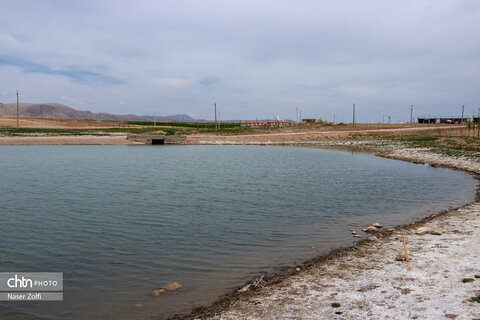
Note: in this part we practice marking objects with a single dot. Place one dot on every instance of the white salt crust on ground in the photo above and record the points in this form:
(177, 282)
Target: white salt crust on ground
(369, 284)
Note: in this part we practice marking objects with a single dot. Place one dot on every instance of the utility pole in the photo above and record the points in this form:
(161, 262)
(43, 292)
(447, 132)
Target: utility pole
(17, 111)
(463, 109)
(215, 107)
(334, 119)
(296, 121)
(383, 119)
(411, 114)
(155, 119)
(353, 122)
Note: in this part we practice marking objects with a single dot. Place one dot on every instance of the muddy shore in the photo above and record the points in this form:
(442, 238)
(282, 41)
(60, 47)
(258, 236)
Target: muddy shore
(366, 282)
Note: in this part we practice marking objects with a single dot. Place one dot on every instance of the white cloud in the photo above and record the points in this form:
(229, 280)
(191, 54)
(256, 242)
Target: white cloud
(252, 57)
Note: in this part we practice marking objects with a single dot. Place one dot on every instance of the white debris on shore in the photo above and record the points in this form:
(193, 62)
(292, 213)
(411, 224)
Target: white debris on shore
(426, 157)
(370, 284)
(367, 283)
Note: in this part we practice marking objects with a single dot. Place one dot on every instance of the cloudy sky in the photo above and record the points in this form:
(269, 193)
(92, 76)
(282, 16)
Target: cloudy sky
(254, 58)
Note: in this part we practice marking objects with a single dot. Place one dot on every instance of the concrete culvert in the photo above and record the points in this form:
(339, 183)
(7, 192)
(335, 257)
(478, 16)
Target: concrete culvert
(158, 141)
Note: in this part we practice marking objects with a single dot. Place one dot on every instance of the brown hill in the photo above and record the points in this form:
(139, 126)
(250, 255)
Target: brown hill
(60, 111)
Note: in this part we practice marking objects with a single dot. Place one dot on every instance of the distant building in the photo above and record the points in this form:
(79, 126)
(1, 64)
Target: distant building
(309, 120)
(445, 120)
(278, 123)
(252, 123)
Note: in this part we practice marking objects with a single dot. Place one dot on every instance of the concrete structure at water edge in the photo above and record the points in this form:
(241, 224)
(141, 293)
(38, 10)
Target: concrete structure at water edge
(155, 139)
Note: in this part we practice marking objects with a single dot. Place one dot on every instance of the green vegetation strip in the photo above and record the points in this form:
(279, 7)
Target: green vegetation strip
(167, 128)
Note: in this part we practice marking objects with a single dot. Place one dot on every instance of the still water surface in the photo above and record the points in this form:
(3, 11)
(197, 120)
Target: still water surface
(122, 221)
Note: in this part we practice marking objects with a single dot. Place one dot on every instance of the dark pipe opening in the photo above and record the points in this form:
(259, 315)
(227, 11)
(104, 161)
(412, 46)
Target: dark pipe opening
(158, 141)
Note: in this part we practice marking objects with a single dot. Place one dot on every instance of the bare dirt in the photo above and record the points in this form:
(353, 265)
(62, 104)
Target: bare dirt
(311, 135)
(67, 140)
(44, 123)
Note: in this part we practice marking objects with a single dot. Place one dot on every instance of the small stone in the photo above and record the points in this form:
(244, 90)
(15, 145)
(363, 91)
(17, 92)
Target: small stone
(139, 305)
(353, 232)
(173, 286)
(370, 229)
(376, 225)
(406, 291)
(244, 289)
(401, 256)
(159, 292)
(436, 232)
(422, 230)
(373, 238)
(357, 236)
(298, 269)
(390, 229)
(425, 230)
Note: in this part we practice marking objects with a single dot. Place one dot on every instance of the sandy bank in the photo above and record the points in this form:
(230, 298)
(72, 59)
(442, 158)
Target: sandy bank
(66, 140)
(368, 283)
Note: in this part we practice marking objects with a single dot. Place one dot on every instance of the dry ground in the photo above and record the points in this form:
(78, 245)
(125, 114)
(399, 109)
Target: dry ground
(314, 134)
(27, 122)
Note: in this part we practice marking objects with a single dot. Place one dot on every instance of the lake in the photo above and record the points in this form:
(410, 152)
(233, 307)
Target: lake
(122, 221)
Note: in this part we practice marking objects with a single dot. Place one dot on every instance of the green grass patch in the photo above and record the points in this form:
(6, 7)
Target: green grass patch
(475, 299)
(335, 305)
(198, 125)
(187, 128)
(466, 280)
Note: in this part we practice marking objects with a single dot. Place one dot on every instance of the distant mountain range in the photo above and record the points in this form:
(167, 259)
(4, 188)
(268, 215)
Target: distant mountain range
(60, 111)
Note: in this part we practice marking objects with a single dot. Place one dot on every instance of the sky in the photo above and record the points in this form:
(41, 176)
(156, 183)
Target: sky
(253, 58)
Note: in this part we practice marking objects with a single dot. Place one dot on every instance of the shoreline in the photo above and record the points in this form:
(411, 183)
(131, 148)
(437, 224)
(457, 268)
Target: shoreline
(254, 302)
(286, 288)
